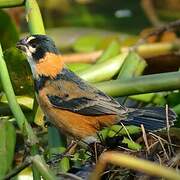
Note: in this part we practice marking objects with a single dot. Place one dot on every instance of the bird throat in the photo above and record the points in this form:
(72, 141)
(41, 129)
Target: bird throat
(50, 65)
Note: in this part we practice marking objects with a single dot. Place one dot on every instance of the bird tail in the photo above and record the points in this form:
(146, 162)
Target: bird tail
(152, 118)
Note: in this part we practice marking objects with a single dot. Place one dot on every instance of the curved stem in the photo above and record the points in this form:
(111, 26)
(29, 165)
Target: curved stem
(134, 163)
(34, 17)
(39, 163)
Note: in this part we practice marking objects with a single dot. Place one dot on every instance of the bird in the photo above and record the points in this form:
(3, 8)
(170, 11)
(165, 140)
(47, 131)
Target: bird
(74, 106)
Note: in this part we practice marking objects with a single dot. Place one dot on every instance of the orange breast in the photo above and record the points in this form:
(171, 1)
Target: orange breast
(50, 65)
(74, 124)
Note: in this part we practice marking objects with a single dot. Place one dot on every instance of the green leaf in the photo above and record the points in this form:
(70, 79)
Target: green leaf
(121, 131)
(77, 67)
(131, 144)
(107, 40)
(87, 43)
(7, 146)
(57, 143)
(133, 66)
(8, 31)
(19, 72)
(104, 133)
(155, 98)
(112, 50)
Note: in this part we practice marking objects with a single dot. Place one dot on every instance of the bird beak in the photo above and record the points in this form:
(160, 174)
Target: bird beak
(21, 45)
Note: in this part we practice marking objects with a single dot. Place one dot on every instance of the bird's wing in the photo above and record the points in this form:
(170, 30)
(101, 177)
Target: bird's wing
(72, 93)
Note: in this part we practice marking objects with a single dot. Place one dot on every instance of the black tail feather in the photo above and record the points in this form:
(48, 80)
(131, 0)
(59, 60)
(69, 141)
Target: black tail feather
(153, 118)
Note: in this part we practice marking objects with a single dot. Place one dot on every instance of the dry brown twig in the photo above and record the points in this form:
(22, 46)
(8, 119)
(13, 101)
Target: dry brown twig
(168, 134)
(145, 139)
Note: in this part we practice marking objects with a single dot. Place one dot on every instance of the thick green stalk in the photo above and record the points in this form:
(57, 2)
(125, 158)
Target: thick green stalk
(156, 49)
(144, 84)
(57, 140)
(34, 17)
(15, 108)
(39, 164)
(105, 70)
(36, 26)
(133, 66)
(11, 3)
(78, 67)
(36, 172)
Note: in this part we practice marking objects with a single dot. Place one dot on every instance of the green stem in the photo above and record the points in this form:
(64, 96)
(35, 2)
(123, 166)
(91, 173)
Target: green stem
(36, 173)
(130, 162)
(105, 70)
(133, 66)
(144, 84)
(56, 140)
(34, 17)
(112, 50)
(15, 108)
(39, 164)
(36, 26)
(157, 49)
(78, 67)
(11, 3)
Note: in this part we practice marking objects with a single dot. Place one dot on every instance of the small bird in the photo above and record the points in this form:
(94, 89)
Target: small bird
(75, 107)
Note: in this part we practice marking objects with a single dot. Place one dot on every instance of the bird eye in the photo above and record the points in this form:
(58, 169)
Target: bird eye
(33, 43)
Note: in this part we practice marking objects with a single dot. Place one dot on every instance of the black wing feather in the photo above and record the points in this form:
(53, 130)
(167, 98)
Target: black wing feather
(94, 103)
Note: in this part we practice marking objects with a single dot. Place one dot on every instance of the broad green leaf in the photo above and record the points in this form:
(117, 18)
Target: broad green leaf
(112, 50)
(78, 67)
(133, 66)
(104, 133)
(121, 131)
(7, 146)
(107, 40)
(18, 69)
(150, 97)
(87, 43)
(8, 31)
(19, 72)
(143, 97)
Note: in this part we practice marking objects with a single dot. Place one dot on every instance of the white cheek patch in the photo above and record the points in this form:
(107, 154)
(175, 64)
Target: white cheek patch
(31, 61)
(31, 49)
(28, 52)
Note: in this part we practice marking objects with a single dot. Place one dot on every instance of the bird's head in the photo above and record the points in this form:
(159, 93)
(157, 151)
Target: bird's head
(42, 55)
(36, 46)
